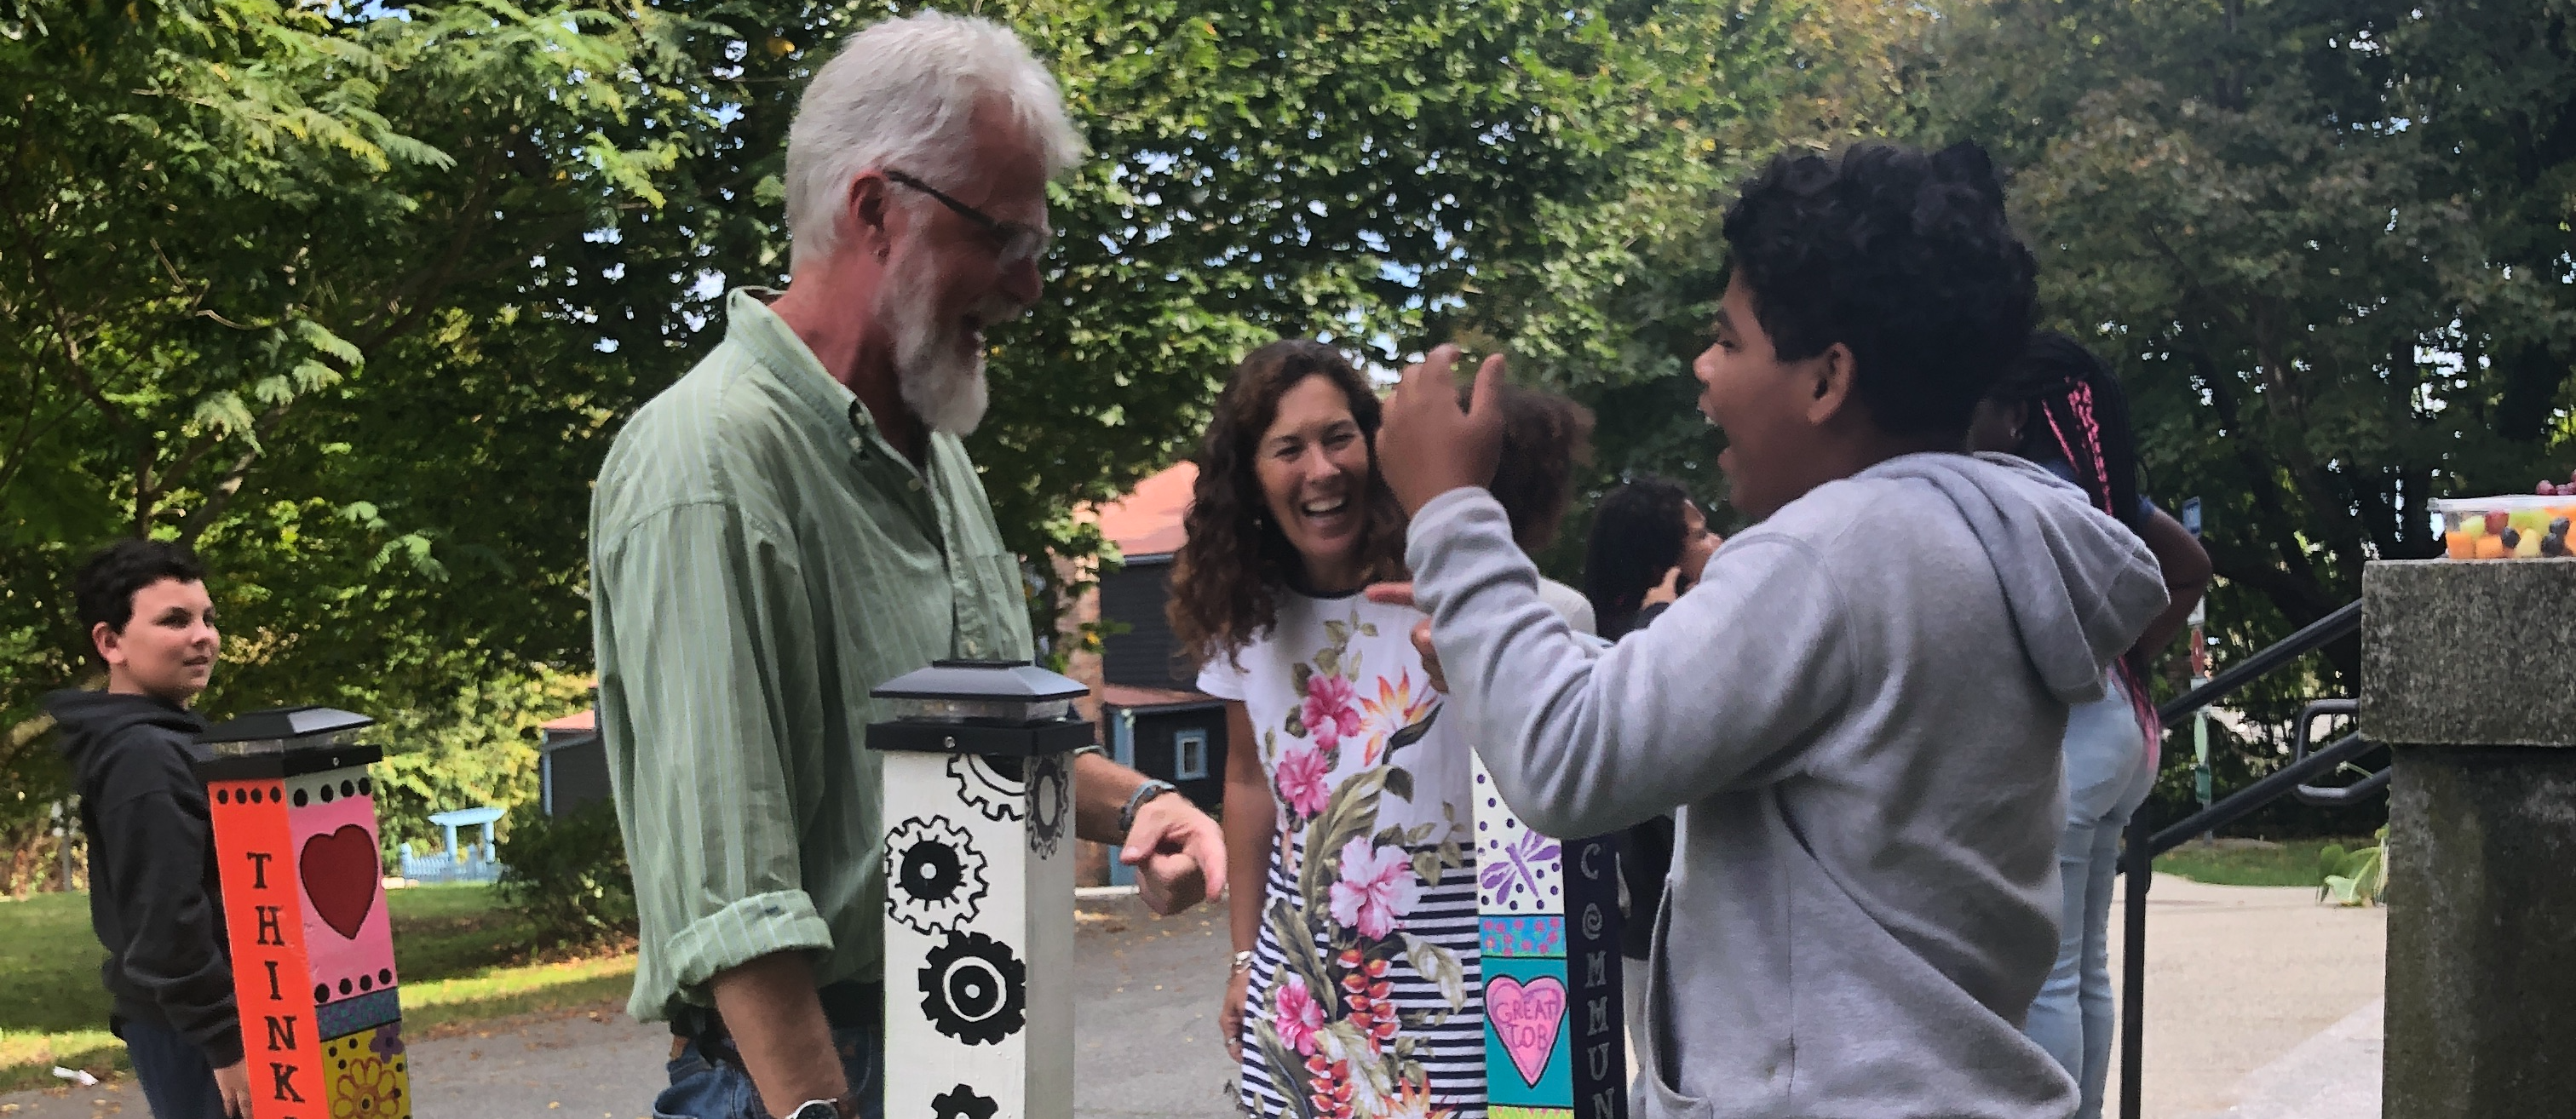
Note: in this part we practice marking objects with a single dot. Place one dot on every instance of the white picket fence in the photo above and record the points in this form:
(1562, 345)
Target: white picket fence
(472, 862)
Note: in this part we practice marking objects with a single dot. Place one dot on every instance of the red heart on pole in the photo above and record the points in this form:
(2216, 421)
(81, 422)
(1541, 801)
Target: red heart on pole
(341, 876)
(1525, 1019)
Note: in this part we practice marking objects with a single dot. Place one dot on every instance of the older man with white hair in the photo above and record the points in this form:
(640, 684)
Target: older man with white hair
(796, 521)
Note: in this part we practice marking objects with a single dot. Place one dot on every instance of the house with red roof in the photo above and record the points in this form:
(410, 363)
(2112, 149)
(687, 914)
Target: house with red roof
(1152, 716)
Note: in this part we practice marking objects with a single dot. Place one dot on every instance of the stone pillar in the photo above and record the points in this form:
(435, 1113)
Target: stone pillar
(2469, 674)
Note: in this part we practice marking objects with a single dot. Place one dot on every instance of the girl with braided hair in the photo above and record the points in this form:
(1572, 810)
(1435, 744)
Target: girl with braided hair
(2061, 407)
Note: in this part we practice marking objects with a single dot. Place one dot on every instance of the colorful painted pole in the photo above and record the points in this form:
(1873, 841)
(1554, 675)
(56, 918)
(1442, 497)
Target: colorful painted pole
(312, 946)
(978, 788)
(1548, 919)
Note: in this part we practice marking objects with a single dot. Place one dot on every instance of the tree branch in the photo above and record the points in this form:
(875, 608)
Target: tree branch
(2273, 514)
(62, 321)
(28, 434)
(221, 494)
(416, 289)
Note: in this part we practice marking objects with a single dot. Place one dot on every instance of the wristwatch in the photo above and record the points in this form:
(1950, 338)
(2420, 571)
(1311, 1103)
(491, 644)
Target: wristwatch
(1153, 787)
(824, 1109)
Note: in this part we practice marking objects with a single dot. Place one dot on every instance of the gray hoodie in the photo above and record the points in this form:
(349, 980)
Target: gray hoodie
(1857, 712)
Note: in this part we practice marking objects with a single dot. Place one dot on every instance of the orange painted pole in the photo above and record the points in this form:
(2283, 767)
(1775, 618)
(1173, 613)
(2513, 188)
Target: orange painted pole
(304, 910)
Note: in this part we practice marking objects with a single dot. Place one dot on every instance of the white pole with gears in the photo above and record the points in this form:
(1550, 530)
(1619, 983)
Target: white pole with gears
(977, 784)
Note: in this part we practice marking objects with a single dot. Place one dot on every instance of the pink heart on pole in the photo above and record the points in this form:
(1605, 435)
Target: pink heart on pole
(1526, 1017)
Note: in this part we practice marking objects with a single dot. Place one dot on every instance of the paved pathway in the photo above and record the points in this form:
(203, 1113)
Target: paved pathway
(2259, 1000)
(2334, 1075)
(2238, 977)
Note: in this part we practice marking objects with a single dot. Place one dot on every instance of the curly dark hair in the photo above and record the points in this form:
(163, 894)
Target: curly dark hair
(1903, 256)
(1545, 436)
(103, 590)
(1226, 577)
(2078, 416)
(1636, 536)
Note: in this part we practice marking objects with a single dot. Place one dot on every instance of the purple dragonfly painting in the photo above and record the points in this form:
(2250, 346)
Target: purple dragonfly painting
(1517, 864)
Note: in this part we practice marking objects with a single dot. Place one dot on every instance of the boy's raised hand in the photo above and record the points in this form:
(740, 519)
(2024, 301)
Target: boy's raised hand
(1427, 446)
(1401, 594)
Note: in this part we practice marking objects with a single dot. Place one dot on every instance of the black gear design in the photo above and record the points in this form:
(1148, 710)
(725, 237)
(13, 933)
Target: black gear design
(1050, 805)
(962, 1102)
(934, 875)
(999, 798)
(974, 989)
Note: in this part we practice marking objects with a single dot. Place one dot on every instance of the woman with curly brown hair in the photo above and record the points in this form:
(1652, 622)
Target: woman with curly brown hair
(1355, 962)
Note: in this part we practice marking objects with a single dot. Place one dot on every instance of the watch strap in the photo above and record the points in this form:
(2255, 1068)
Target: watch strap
(1153, 787)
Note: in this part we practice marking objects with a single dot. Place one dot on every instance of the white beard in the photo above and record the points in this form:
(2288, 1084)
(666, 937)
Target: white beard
(940, 376)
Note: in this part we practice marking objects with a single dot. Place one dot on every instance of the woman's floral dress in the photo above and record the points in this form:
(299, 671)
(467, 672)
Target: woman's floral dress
(1364, 979)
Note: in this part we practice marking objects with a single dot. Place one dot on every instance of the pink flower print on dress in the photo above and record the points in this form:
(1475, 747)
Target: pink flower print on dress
(1332, 709)
(1377, 888)
(1297, 1015)
(1305, 784)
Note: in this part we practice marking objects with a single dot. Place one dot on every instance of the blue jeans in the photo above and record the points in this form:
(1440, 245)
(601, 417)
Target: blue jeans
(702, 1088)
(2107, 777)
(177, 1080)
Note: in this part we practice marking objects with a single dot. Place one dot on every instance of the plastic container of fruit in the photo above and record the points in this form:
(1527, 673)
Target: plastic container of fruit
(2492, 528)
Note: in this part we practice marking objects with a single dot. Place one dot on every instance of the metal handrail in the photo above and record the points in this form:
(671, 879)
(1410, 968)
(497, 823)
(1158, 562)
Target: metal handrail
(2287, 780)
(2332, 796)
(2143, 844)
(2317, 635)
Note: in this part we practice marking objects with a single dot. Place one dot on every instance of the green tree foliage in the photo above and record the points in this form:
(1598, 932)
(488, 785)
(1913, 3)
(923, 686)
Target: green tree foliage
(263, 263)
(1812, 76)
(476, 747)
(352, 299)
(1383, 176)
(568, 876)
(2327, 244)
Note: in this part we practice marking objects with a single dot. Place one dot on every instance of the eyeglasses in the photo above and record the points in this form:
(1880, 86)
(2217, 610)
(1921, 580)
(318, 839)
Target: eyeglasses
(1020, 241)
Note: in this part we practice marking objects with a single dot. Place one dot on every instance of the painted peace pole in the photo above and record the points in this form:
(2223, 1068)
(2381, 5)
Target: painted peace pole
(1548, 918)
(978, 788)
(296, 853)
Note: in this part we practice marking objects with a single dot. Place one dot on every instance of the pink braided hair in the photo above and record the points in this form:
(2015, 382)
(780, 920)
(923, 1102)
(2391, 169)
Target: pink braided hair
(2079, 400)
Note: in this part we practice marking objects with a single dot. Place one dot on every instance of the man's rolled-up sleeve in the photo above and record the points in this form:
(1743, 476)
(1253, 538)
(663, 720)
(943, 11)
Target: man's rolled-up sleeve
(706, 637)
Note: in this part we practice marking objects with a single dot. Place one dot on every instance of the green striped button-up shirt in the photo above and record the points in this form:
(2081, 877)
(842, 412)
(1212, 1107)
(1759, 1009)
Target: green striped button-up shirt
(761, 557)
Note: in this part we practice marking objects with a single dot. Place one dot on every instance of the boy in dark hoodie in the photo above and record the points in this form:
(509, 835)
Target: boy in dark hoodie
(1855, 715)
(153, 896)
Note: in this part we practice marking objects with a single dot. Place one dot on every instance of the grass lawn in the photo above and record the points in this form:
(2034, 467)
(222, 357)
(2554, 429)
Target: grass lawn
(2290, 863)
(461, 959)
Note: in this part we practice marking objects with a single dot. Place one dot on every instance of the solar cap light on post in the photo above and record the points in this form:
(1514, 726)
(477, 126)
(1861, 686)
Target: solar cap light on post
(297, 855)
(978, 809)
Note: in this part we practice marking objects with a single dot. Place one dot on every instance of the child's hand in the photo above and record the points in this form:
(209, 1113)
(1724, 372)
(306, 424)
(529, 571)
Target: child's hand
(1426, 446)
(1668, 590)
(1401, 594)
(232, 1082)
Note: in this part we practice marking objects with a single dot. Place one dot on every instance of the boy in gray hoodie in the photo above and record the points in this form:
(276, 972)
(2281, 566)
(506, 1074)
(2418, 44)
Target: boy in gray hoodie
(1855, 715)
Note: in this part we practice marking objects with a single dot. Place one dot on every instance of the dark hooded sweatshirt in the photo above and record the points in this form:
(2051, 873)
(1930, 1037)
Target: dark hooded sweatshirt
(152, 895)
